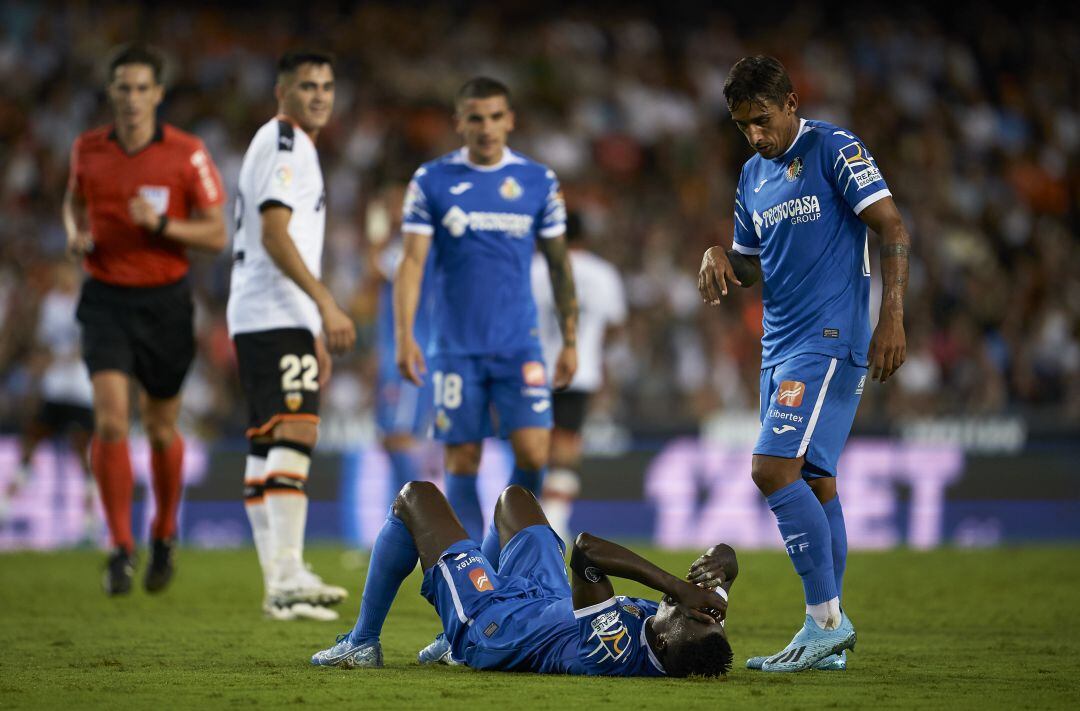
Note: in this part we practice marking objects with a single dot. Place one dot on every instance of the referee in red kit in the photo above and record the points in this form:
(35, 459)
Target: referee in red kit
(140, 193)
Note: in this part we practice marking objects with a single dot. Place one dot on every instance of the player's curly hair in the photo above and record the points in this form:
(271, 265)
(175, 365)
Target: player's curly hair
(707, 655)
(757, 79)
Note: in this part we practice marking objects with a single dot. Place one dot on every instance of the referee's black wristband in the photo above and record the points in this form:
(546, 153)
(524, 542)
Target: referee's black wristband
(163, 222)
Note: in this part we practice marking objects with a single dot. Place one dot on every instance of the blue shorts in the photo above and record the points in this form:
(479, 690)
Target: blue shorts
(479, 396)
(808, 403)
(403, 408)
(488, 616)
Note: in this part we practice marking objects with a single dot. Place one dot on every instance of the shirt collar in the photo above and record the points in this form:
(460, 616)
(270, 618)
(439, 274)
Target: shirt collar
(507, 158)
(803, 128)
(158, 137)
(645, 643)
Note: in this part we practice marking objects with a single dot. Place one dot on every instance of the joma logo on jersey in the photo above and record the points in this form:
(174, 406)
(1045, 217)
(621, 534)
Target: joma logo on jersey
(801, 209)
(790, 393)
(456, 221)
(860, 165)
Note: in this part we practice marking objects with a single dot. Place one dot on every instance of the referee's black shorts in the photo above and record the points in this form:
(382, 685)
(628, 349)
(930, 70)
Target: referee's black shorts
(146, 332)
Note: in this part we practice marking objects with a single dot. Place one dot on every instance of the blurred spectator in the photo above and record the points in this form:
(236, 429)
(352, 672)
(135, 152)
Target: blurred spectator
(971, 115)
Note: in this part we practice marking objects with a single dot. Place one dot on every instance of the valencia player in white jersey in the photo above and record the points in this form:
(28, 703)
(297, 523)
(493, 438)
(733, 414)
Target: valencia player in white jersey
(284, 321)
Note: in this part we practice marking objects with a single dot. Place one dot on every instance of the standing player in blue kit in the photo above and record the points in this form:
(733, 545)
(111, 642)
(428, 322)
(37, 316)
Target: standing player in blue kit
(481, 211)
(803, 205)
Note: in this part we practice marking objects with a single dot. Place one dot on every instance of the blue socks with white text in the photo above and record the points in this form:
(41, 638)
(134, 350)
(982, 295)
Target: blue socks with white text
(393, 557)
(807, 538)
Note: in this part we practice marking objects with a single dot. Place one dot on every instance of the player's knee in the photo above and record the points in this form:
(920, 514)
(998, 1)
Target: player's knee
(110, 426)
(769, 479)
(411, 495)
(160, 434)
(532, 454)
(514, 497)
(463, 458)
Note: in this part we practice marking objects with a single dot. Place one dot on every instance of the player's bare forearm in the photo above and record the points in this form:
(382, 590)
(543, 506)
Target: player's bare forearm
(888, 345)
(562, 286)
(204, 230)
(76, 223)
(612, 559)
(282, 250)
(747, 267)
(407, 282)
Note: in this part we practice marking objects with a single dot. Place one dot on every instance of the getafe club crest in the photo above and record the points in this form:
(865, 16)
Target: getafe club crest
(794, 170)
(293, 401)
(510, 189)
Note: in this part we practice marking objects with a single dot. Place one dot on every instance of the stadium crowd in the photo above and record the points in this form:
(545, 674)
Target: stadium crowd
(974, 124)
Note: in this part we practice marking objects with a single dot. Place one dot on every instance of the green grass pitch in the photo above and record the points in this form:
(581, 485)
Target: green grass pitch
(944, 629)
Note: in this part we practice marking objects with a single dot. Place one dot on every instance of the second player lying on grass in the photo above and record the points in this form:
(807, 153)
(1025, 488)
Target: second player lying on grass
(520, 613)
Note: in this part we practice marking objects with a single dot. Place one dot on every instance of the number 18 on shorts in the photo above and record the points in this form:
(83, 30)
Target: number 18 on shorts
(481, 396)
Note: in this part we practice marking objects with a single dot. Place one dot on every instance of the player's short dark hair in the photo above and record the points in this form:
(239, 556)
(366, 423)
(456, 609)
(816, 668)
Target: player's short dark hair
(574, 231)
(295, 58)
(705, 655)
(137, 54)
(481, 88)
(757, 79)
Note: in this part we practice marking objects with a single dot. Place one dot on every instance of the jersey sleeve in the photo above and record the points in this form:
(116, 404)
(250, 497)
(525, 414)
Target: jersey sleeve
(277, 175)
(203, 179)
(610, 641)
(553, 220)
(854, 171)
(746, 239)
(416, 212)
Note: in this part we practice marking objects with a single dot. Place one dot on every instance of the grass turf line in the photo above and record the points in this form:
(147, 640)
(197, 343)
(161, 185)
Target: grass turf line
(950, 628)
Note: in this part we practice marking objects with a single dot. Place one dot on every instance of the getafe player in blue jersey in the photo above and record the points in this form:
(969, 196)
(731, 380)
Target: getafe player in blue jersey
(516, 611)
(481, 211)
(802, 209)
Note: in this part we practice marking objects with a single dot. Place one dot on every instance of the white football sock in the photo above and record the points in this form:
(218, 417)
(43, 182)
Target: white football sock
(254, 473)
(286, 507)
(826, 614)
(561, 487)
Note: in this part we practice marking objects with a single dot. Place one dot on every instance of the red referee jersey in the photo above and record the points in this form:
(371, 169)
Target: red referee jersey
(174, 173)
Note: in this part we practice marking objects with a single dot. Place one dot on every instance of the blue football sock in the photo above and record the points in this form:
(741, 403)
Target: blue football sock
(805, 531)
(491, 548)
(403, 468)
(529, 478)
(465, 500)
(835, 514)
(393, 557)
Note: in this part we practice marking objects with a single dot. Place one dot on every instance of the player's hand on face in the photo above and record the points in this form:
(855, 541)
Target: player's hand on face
(888, 347)
(410, 361)
(326, 363)
(143, 213)
(339, 329)
(708, 570)
(714, 275)
(702, 603)
(565, 367)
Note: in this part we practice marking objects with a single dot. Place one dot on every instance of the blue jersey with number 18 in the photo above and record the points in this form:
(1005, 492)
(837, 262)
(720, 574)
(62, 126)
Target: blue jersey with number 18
(800, 213)
(484, 221)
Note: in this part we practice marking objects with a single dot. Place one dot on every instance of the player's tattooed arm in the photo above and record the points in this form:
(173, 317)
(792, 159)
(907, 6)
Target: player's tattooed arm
(594, 559)
(888, 346)
(562, 286)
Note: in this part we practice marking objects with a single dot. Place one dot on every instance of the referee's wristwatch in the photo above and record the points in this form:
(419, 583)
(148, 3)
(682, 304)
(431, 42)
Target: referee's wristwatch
(163, 222)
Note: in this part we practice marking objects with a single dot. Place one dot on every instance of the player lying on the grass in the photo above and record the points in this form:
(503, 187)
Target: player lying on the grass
(520, 613)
